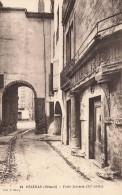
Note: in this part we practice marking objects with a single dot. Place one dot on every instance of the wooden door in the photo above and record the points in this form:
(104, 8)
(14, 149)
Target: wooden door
(97, 131)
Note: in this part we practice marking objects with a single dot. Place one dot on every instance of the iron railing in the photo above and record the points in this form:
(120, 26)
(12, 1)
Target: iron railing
(102, 28)
(63, 75)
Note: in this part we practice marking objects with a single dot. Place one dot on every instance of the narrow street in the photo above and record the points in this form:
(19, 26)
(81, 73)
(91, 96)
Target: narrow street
(35, 162)
(36, 167)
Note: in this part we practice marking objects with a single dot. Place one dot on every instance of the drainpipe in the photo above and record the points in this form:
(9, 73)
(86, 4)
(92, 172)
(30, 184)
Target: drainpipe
(44, 59)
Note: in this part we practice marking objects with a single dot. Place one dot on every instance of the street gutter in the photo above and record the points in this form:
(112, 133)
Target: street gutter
(7, 164)
(68, 162)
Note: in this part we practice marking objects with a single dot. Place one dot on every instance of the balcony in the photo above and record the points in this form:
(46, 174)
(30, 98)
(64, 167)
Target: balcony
(66, 9)
(81, 67)
(65, 83)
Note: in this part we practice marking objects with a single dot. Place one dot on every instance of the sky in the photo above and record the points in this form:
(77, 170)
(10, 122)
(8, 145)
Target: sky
(30, 5)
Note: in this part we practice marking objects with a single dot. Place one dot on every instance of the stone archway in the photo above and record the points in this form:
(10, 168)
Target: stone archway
(10, 106)
(20, 83)
(57, 119)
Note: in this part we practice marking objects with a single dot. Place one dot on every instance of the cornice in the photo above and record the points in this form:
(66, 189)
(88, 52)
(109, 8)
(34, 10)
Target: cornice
(12, 9)
(39, 15)
(98, 44)
(67, 8)
(29, 14)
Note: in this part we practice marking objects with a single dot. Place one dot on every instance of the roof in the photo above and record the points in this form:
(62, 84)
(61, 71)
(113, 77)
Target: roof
(43, 15)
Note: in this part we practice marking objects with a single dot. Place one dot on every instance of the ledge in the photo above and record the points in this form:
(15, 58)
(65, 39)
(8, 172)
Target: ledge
(39, 15)
(117, 121)
(66, 86)
(29, 14)
(95, 48)
(99, 63)
(13, 9)
(67, 8)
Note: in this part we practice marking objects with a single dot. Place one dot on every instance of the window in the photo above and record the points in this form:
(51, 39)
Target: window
(51, 80)
(52, 6)
(51, 108)
(69, 44)
(68, 47)
(54, 44)
(57, 32)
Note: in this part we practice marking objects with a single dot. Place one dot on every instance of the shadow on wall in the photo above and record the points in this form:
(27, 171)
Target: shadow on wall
(54, 123)
(51, 128)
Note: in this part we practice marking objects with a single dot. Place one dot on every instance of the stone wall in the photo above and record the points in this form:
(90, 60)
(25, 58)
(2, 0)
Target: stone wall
(10, 110)
(114, 128)
(22, 48)
(88, 13)
(84, 115)
(85, 16)
(40, 117)
(25, 53)
(105, 82)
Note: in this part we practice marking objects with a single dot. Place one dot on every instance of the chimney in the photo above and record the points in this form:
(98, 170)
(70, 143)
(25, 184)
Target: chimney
(41, 6)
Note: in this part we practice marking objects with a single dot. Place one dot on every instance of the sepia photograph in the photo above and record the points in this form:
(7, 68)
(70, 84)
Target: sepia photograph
(60, 97)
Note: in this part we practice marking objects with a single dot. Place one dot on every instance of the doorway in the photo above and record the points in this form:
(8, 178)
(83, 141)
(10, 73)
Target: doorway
(57, 119)
(95, 129)
(68, 121)
(18, 109)
(26, 108)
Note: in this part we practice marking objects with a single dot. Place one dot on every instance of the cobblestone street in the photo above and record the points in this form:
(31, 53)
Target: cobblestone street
(60, 97)
(34, 164)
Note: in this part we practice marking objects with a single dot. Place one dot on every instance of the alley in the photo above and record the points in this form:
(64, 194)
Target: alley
(35, 162)
(36, 166)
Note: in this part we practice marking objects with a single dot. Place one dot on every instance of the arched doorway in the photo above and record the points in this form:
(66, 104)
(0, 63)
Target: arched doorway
(10, 105)
(57, 119)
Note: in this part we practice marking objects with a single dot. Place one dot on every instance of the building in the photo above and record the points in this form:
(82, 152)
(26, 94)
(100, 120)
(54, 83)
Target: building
(26, 101)
(74, 70)
(91, 80)
(56, 68)
(25, 56)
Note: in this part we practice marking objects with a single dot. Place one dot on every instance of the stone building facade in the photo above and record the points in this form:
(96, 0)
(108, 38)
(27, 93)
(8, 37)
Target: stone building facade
(26, 101)
(56, 66)
(25, 55)
(91, 80)
(74, 65)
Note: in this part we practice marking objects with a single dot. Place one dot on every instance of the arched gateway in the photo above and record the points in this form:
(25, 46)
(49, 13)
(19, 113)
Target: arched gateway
(10, 107)
(25, 55)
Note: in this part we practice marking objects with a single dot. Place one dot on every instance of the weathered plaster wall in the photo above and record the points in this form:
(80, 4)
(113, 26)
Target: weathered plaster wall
(22, 49)
(89, 12)
(10, 110)
(114, 129)
(85, 15)
(66, 97)
(57, 56)
(25, 55)
(84, 115)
